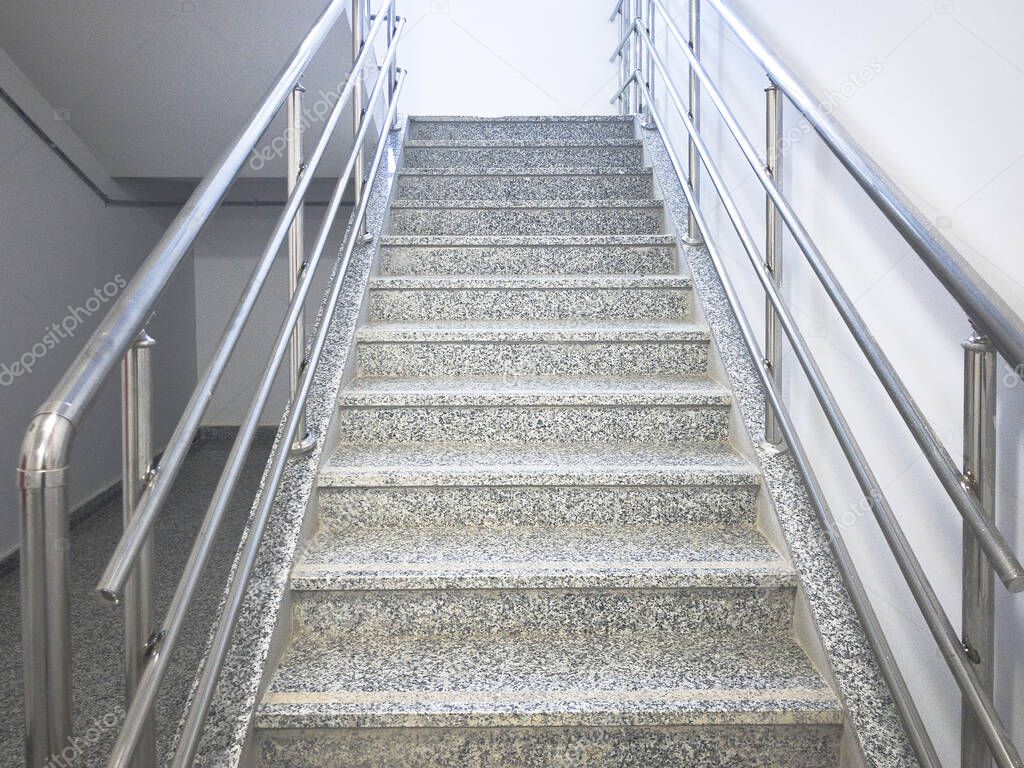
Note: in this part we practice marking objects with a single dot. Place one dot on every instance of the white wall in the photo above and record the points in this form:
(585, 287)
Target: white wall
(532, 57)
(925, 87)
(225, 255)
(58, 245)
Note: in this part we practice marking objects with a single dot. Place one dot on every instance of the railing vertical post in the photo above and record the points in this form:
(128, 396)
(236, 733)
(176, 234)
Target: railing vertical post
(636, 54)
(136, 458)
(45, 605)
(979, 477)
(649, 18)
(358, 40)
(393, 69)
(625, 70)
(773, 255)
(693, 235)
(297, 256)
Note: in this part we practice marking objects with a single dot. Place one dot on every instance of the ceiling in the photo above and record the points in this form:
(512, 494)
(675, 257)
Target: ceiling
(158, 88)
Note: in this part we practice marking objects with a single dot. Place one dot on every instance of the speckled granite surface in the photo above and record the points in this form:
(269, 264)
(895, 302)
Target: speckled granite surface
(534, 521)
(529, 255)
(861, 686)
(230, 716)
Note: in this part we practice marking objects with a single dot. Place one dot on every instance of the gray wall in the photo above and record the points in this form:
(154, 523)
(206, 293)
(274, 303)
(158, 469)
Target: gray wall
(58, 244)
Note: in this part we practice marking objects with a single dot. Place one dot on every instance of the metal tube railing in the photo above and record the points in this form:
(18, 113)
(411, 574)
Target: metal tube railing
(989, 313)
(112, 581)
(982, 725)
(190, 579)
(862, 604)
(191, 730)
(995, 546)
(43, 463)
(949, 643)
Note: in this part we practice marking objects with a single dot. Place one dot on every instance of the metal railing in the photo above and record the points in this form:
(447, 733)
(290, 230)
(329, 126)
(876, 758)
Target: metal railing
(122, 339)
(998, 330)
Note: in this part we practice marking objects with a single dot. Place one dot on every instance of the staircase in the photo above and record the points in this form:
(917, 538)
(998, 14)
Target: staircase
(536, 545)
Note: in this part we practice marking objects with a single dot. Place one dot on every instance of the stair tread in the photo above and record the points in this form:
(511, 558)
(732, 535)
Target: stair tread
(411, 464)
(625, 678)
(527, 204)
(528, 170)
(521, 119)
(532, 282)
(541, 557)
(517, 143)
(534, 331)
(533, 390)
(518, 240)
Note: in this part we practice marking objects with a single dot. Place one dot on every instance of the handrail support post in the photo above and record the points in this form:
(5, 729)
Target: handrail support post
(649, 18)
(773, 258)
(393, 68)
(45, 603)
(978, 579)
(358, 41)
(136, 461)
(304, 442)
(693, 235)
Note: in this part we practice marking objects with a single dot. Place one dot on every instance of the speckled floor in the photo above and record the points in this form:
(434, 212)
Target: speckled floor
(96, 626)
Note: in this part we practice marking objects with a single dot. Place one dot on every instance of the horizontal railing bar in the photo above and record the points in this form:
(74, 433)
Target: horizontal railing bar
(624, 86)
(928, 602)
(240, 579)
(988, 312)
(998, 551)
(622, 43)
(145, 695)
(133, 538)
(105, 347)
(902, 697)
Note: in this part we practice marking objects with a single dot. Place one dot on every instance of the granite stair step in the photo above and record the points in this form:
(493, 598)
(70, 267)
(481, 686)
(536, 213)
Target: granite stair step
(519, 183)
(671, 556)
(504, 581)
(661, 697)
(544, 464)
(526, 217)
(522, 128)
(529, 297)
(527, 153)
(489, 410)
(629, 254)
(490, 348)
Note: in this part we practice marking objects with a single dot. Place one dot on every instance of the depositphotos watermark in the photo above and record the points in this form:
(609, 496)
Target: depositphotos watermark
(78, 745)
(65, 329)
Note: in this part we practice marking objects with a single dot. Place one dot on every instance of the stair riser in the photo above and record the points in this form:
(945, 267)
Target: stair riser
(459, 130)
(526, 221)
(525, 304)
(528, 260)
(537, 506)
(337, 615)
(535, 424)
(538, 359)
(523, 157)
(526, 187)
(749, 746)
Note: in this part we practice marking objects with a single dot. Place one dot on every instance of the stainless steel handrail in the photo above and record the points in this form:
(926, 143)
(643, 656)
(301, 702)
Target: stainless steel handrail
(975, 509)
(43, 470)
(115, 575)
(994, 544)
(988, 312)
(176, 614)
(862, 603)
